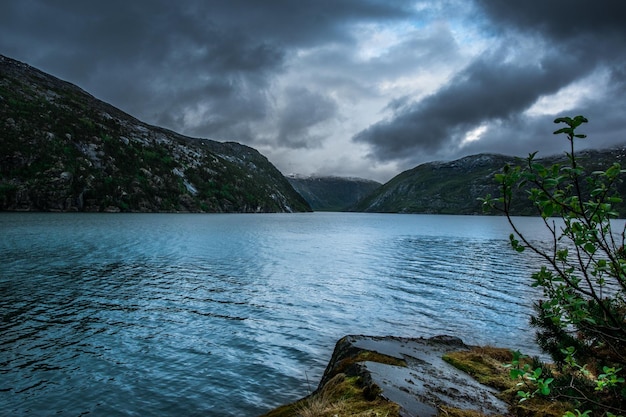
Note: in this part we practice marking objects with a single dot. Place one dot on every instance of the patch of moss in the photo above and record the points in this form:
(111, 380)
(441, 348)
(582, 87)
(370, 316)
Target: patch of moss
(348, 364)
(370, 356)
(485, 364)
(488, 366)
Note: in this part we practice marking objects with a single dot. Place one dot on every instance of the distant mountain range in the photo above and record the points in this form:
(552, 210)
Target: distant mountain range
(64, 150)
(454, 187)
(332, 193)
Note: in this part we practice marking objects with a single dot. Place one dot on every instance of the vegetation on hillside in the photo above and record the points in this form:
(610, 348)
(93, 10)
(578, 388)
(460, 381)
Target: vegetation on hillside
(454, 187)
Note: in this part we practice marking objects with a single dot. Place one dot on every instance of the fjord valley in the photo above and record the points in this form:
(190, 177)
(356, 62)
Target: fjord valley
(226, 314)
(64, 150)
(328, 193)
(188, 226)
(445, 187)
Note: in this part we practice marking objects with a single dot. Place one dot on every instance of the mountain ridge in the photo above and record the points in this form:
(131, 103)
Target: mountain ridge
(455, 187)
(65, 150)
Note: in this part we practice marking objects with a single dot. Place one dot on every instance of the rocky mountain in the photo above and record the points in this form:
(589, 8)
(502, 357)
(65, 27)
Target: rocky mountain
(454, 187)
(64, 150)
(332, 193)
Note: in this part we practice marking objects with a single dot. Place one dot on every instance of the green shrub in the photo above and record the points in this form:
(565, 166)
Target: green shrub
(581, 319)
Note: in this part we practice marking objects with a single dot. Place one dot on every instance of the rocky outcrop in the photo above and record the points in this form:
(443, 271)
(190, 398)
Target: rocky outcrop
(422, 382)
(394, 376)
(64, 150)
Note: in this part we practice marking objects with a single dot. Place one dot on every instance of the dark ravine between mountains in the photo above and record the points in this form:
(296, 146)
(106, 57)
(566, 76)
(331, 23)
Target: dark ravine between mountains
(64, 150)
(327, 193)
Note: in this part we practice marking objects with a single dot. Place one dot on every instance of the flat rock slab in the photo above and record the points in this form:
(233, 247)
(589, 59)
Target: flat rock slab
(426, 383)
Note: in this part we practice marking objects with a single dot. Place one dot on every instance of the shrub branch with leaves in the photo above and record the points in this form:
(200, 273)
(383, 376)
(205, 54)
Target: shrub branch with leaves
(581, 318)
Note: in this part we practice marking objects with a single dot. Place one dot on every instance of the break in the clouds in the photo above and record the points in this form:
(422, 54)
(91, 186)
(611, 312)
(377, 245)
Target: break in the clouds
(344, 87)
(491, 88)
(540, 49)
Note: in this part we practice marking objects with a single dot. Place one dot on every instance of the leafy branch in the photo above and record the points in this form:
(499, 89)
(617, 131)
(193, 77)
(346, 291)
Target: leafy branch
(581, 318)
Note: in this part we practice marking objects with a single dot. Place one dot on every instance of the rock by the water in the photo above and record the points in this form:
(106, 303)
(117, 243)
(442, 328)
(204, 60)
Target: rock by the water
(421, 387)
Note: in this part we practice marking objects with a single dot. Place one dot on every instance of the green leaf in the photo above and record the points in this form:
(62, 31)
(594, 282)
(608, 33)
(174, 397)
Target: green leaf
(545, 387)
(567, 130)
(567, 120)
(547, 211)
(515, 373)
(578, 120)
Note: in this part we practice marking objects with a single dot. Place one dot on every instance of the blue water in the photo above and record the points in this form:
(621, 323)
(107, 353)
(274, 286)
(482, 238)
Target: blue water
(234, 314)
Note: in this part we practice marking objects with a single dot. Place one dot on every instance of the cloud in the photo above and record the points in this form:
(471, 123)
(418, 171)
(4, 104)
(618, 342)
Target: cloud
(560, 19)
(489, 89)
(365, 85)
(200, 67)
(301, 112)
(538, 55)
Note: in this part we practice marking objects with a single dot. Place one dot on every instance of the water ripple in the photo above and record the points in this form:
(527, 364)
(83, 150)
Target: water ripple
(232, 314)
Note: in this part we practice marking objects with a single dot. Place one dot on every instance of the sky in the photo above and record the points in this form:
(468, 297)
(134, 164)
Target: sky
(358, 88)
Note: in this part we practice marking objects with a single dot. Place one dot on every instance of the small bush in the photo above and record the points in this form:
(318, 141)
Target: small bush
(581, 318)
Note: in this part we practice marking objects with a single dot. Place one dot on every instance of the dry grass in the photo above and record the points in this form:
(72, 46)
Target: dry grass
(343, 397)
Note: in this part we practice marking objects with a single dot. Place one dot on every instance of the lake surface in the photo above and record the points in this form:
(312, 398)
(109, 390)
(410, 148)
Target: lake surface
(234, 314)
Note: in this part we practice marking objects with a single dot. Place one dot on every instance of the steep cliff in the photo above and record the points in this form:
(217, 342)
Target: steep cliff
(64, 150)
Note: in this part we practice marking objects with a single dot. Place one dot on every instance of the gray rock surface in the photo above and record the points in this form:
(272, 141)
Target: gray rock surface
(426, 383)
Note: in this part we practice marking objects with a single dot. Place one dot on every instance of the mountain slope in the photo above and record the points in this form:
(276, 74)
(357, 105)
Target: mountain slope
(332, 193)
(64, 150)
(454, 187)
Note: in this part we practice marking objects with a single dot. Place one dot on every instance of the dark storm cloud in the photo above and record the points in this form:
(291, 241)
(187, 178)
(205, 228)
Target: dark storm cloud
(560, 19)
(525, 134)
(572, 38)
(488, 89)
(200, 67)
(303, 110)
(303, 79)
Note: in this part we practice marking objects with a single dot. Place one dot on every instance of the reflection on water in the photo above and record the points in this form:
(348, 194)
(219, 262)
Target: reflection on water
(233, 314)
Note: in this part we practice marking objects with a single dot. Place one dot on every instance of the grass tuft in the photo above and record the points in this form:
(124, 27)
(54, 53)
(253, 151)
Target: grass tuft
(341, 396)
